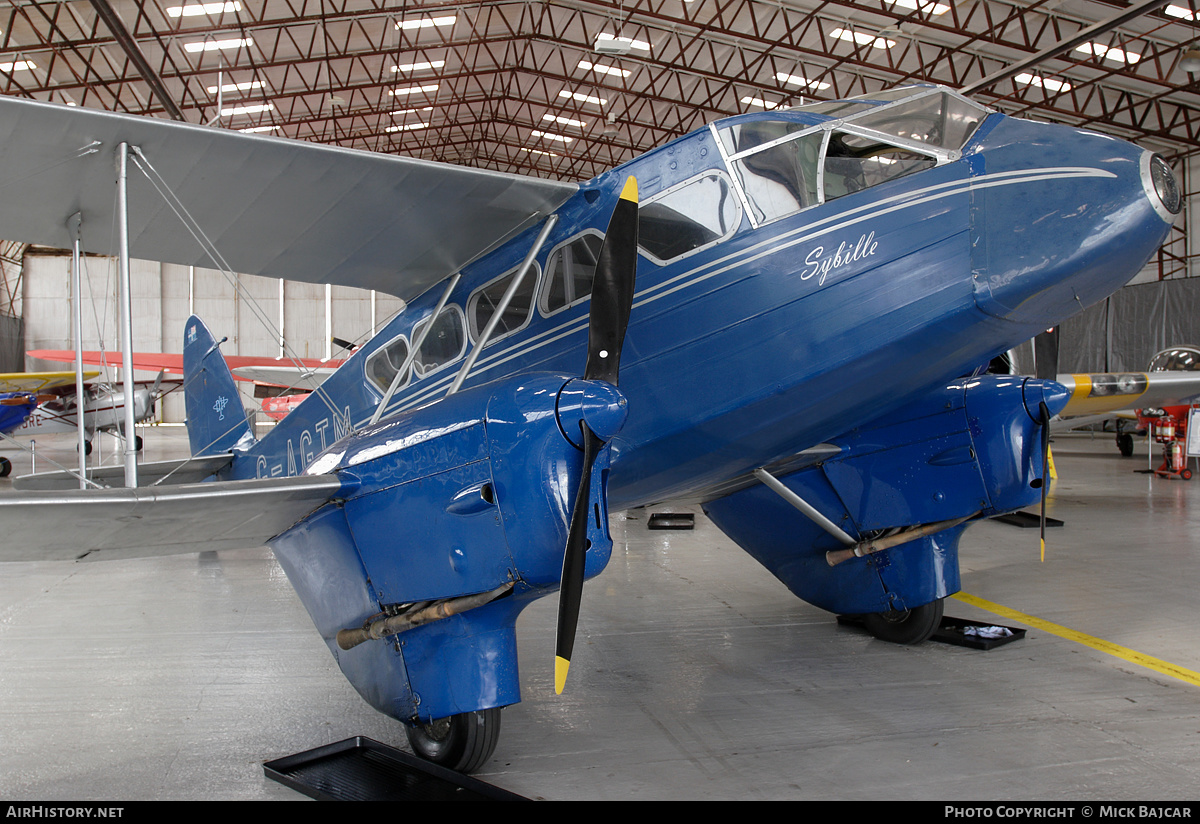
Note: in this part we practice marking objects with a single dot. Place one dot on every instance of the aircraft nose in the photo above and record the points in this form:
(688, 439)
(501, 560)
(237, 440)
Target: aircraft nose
(1062, 218)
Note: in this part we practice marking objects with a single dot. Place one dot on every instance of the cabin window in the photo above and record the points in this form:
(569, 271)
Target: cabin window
(570, 270)
(782, 179)
(382, 365)
(482, 304)
(853, 163)
(444, 343)
(941, 120)
(688, 217)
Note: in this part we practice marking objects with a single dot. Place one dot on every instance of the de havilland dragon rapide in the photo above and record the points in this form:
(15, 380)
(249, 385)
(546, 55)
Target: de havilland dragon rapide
(784, 317)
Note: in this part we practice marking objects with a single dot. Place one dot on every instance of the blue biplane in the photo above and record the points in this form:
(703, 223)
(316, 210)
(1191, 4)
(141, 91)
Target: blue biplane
(801, 304)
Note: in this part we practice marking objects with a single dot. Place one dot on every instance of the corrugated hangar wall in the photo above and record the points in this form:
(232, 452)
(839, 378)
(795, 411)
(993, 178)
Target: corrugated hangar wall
(245, 310)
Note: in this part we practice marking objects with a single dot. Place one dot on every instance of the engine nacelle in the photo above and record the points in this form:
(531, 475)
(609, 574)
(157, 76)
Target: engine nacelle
(455, 499)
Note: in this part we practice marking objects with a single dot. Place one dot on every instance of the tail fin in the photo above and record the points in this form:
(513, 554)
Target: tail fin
(215, 418)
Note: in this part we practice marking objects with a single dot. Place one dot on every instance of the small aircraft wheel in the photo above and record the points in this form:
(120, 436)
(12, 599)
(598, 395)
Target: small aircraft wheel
(5, 467)
(1125, 444)
(87, 447)
(462, 742)
(137, 443)
(909, 626)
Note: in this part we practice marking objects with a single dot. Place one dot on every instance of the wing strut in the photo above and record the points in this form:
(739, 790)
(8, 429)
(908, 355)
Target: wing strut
(126, 312)
(74, 224)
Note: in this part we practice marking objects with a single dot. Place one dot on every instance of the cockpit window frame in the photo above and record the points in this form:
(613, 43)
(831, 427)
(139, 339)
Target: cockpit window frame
(844, 125)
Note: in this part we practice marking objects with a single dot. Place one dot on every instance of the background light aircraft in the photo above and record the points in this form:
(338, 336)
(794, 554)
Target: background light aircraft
(20, 394)
(800, 304)
(103, 410)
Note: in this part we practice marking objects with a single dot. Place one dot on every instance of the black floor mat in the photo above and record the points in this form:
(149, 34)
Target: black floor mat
(360, 769)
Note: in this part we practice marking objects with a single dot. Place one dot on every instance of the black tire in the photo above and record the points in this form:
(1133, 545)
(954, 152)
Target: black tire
(137, 443)
(87, 447)
(1125, 444)
(910, 626)
(463, 742)
(5, 467)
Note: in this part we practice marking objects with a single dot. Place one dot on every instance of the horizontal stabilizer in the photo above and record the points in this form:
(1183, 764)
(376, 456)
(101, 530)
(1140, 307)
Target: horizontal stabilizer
(181, 471)
(161, 520)
(287, 376)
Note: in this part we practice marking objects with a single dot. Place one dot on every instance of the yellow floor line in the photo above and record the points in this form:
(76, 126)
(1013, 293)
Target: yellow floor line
(1125, 653)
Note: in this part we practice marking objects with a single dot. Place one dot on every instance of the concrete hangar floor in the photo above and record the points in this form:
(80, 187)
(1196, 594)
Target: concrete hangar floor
(697, 675)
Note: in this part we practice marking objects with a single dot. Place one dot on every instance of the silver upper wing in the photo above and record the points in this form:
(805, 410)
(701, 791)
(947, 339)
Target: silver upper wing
(276, 207)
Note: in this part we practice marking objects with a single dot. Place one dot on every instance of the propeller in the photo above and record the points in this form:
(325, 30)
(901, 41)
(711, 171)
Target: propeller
(611, 303)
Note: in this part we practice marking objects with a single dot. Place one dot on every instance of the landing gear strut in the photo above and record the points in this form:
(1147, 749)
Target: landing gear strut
(909, 626)
(462, 742)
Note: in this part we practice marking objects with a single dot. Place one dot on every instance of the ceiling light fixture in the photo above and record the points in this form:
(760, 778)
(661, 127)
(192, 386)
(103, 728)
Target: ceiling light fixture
(611, 44)
(927, 6)
(1189, 61)
(407, 127)
(18, 66)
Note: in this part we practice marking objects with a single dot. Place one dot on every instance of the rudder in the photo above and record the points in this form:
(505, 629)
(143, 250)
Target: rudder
(216, 421)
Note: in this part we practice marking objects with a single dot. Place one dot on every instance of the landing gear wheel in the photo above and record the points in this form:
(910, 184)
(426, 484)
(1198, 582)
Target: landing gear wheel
(463, 742)
(1125, 444)
(5, 467)
(910, 626)
(137, 443)
(87, 447)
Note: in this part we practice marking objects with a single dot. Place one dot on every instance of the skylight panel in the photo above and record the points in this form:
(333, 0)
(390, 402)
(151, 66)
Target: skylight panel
(427, 22)
(18, 66)
(565, 121)
(611, 70)
(1179, 12)
(863, 38)
(237, 87)
(758, 101)
(1043, 82)
(197, 9)
(1109, 53)
(580, 97)
(429, 87)
(215, 45)
(550, 136)
(408, 127)
(258, 129)
(797, 80)
(419, 67)
(250, 108)
(927, 6)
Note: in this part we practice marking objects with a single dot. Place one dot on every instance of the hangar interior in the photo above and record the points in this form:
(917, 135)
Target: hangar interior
(700, 676)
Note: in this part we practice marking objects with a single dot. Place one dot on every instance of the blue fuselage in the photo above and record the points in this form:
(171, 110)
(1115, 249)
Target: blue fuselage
(788, 332)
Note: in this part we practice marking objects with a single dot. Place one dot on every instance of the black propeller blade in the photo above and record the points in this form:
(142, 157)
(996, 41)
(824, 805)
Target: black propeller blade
(612, 301)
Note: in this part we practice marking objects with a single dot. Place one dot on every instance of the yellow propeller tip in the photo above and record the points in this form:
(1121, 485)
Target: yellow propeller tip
(1043, 551)
(630, 192)
(561, 665)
